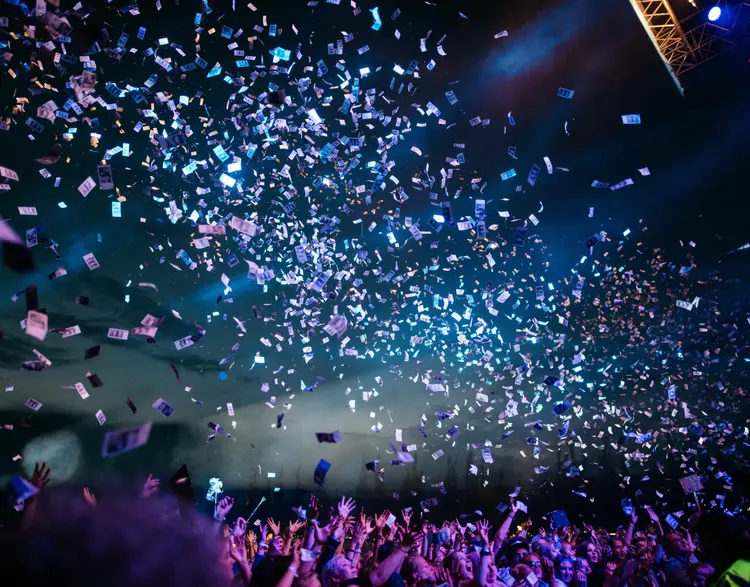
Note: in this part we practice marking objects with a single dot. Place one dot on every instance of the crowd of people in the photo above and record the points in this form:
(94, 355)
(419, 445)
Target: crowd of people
(67, 539)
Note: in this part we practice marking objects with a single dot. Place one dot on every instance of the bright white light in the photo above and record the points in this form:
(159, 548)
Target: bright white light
(227, 181)
(439, 218)
(313, 115)
(714, 14)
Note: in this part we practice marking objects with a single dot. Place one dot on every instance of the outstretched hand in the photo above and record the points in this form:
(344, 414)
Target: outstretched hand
(346, 507)
(41, 474)
(652, 515)
(323, 533)
(237, 550)
(275, 527)
(150, 487)
(366, 525)
(294, 526)
(483, 529)
(313, 509)
(296, 555)
(222, 508)
(381, 520)
(89, 497)
(239, 530)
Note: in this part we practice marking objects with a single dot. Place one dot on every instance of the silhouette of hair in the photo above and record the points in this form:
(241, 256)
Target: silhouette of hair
(120, 543)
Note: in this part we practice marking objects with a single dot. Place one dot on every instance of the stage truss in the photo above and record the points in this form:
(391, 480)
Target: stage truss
(684, 45)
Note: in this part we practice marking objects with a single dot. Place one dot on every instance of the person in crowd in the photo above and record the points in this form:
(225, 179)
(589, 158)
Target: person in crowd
(700, 573)
(63, 540)
(565, 571)
(118, 543)
(588, 550)
(678, 559)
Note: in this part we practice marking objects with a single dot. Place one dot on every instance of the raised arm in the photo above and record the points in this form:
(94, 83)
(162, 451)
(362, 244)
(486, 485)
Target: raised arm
(502, 532)
(238, 550)
(362, 531)
(379, 529)
(291, 531)
(39, 479)
(631, 527)
(655, 519)
(221, 509)
(393, 563)
(483, 528)
(291, 573)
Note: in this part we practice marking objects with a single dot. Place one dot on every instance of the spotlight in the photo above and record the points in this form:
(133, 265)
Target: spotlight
(714, 14)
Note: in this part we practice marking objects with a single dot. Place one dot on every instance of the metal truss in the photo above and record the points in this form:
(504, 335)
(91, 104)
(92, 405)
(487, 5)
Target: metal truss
(683, 47)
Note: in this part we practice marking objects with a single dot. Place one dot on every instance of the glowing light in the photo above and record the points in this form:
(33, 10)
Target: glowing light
(714, 14)
(215, 487)
(227, 181)
(439, 218)
(62, 451)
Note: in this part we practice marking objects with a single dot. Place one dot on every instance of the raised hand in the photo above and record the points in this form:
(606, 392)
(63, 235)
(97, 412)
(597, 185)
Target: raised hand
(341, 527)
(406, 516)
(275, 528)
(323, 533)
(263, 533)
(238, 532)
(313, 510)
(652, 515)
(294, 526)
(296, 556)
(345, 507)
(366, 525)
(89, 497)
(483, 529)
(381, 520)
(237, 550)
(40, 477)
(222, 508)
(150, 487)
(513, 506)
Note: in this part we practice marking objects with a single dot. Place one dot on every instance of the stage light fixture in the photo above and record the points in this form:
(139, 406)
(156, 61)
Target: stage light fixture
(714, 14)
